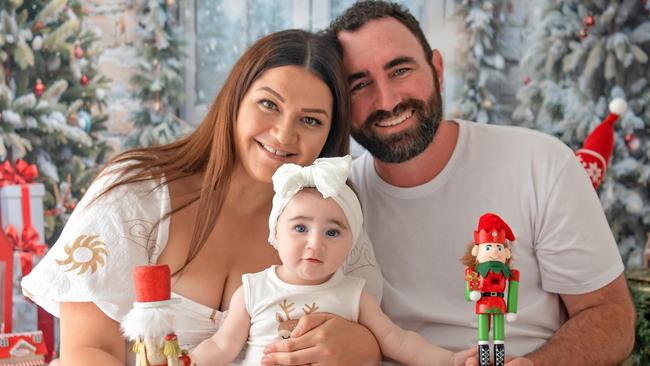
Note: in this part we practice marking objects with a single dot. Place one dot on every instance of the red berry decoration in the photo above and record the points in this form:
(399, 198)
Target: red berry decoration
(39, 88)
(589, 20)
(78, 51)
(526, 80)
(84, 80)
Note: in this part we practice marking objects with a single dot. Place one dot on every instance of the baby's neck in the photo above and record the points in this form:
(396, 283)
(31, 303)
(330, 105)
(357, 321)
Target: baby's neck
(291, 278)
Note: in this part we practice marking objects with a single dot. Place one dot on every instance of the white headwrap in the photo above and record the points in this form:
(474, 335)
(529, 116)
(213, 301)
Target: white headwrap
(328, 176)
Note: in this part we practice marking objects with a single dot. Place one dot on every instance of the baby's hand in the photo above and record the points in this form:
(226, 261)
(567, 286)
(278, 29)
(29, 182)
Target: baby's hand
(464, 358)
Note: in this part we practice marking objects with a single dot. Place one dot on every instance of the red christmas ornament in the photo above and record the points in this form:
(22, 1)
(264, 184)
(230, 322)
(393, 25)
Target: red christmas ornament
(582, 34)
(84, 80)
(39, 25)
(589, 20)
(628, 137)
(39, 88)
(78, 51)
(599, 145)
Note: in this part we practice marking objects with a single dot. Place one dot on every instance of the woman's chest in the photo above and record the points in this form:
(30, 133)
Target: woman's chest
(231, 250)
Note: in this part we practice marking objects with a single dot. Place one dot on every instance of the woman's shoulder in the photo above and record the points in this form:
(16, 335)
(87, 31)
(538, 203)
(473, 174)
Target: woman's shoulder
(107, 235)
(125, 178)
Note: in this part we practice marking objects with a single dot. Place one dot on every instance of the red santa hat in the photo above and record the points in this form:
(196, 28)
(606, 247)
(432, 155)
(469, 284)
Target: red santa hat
(152, 286)
(599, 145)
(492, 229)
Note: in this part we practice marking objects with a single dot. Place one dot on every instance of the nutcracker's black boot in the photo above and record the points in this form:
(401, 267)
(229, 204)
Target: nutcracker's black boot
(499, 354)
(484, 355)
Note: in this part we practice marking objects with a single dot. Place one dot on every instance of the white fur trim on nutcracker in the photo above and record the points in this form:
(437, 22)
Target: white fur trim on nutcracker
(150, 322)
(328, 176)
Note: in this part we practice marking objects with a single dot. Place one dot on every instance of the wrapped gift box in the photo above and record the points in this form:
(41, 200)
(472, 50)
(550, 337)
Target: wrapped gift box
(11, 207)
(19, 317)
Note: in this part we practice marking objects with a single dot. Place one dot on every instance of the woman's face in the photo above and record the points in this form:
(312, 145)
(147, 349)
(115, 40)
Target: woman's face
(284, 117)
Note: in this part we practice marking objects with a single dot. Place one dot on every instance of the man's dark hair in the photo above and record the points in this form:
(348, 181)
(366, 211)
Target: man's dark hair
(362, 12)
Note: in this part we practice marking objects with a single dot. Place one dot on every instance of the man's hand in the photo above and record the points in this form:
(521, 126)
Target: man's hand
(519, 361)
(324, 339)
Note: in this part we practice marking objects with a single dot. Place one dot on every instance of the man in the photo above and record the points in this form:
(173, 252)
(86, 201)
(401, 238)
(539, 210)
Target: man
(425, 180)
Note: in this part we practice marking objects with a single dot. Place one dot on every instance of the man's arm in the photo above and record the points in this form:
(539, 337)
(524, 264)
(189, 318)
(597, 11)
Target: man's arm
(600, 329)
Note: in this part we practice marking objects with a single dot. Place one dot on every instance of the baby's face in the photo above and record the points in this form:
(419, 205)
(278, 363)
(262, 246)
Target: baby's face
(314, 238)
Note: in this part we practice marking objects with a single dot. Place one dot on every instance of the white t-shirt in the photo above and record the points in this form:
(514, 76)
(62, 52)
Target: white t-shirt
(265, 295)
(93, 259)
(535, 183)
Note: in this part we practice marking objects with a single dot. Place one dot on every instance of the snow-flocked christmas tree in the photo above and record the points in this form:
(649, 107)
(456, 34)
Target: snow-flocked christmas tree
(159, 83)
(582, 55)
(51, 99)
(481, 61)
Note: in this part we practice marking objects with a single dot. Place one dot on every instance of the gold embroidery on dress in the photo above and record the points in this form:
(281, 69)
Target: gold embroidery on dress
(85, 253)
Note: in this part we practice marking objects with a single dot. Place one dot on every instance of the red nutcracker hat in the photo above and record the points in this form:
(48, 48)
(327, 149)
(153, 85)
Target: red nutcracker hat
(598, 146)
(152, 286)
(492, 229)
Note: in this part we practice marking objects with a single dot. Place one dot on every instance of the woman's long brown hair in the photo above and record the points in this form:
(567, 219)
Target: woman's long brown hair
(210, 148)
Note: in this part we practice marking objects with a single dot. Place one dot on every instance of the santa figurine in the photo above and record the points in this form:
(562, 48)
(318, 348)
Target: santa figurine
(150, 324)
(488, 272)
(599, 145)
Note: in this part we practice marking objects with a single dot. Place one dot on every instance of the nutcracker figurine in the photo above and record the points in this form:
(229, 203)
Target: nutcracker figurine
(488, 270)
(150, 324)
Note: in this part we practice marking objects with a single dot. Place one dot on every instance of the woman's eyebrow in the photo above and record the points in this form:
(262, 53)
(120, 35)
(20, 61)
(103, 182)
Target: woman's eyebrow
(277, 95)
(315, 110)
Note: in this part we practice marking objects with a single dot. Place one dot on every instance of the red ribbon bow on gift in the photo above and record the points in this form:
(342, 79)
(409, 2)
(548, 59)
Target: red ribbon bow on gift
(26, 244)
(22, 173)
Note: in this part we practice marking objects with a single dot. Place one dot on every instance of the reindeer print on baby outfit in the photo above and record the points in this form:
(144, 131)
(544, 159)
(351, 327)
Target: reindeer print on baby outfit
(286, 326)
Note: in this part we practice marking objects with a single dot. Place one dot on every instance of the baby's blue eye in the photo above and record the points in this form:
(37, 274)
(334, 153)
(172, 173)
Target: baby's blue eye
(332, 233)
(488, 248)
(500, 248)
(300, 228)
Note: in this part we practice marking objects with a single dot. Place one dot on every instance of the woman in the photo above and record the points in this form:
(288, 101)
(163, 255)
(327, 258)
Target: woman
(201, 206)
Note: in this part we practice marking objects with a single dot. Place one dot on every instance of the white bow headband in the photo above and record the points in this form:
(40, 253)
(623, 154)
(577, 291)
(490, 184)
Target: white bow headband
(328, 176)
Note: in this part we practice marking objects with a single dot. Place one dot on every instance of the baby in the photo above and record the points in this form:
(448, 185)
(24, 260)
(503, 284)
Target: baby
(314, 221)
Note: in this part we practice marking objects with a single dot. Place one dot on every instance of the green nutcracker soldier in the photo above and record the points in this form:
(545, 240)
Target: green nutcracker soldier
(486, 276)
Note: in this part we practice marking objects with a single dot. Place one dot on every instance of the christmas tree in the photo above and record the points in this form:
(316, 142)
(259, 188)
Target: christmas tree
(482, 63)
(159, 83)
(582, 55)
(51, 99)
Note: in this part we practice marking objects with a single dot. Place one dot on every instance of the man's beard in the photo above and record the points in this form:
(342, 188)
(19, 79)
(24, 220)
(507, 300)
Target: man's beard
(405, 145)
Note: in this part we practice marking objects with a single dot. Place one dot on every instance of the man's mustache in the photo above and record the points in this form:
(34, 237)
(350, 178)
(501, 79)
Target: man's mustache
(380, 114)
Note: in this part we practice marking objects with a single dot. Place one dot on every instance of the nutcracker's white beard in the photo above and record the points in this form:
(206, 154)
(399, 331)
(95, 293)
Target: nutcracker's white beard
(148, 323)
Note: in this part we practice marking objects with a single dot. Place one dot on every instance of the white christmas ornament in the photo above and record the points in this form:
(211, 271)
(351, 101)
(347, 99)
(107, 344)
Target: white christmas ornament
(37, 43)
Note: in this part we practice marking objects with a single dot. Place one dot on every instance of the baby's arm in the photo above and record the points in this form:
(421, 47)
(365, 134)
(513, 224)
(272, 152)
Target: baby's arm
(404, 346)
(227, 342)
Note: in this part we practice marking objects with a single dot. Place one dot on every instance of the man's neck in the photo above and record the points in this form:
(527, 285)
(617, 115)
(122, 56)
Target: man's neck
(426, 166)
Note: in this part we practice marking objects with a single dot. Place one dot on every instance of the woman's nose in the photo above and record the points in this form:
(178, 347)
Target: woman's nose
(284, 132)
